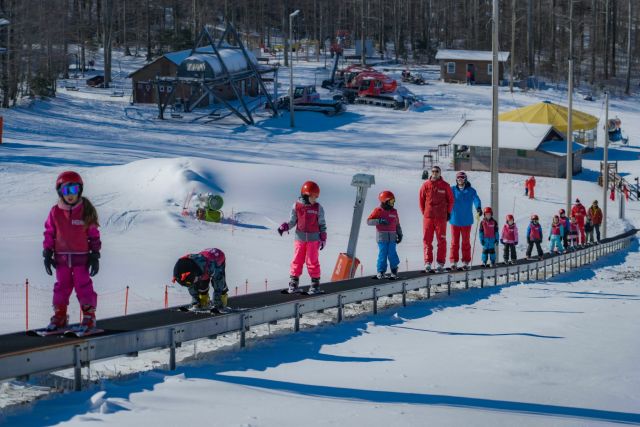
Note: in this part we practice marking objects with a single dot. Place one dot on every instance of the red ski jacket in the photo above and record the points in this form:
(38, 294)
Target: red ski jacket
(436, 199)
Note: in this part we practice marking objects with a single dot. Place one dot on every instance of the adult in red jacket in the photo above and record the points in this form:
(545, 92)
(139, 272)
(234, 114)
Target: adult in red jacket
(530, 184)
(580, 212)
(436, 204)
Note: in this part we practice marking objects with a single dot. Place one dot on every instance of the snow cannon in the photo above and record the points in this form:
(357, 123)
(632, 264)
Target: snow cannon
(347, 263)
(209, 206)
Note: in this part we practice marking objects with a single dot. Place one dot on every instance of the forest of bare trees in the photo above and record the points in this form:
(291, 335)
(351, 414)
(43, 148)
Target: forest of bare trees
(44, 37)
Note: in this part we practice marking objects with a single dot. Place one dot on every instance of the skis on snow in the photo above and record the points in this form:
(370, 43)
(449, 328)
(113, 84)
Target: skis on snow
(72, 332)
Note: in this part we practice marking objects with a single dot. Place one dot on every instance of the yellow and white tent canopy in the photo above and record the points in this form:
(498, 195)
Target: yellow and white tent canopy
(552, 114)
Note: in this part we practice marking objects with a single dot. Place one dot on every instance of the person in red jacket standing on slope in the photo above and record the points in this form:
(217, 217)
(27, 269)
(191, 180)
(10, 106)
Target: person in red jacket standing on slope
(580, 212)
(436, 204)
(530, 185)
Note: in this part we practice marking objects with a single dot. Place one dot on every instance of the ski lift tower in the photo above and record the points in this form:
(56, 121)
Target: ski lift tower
(347, 262)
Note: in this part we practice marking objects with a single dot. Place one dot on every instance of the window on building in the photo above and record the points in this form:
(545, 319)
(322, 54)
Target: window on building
(522, 153)
(489, 69)
(169, 88)
(451, 67)
(161, 88)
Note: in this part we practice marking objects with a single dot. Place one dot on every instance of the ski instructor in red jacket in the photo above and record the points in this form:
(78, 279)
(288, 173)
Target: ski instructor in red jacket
(436, 204)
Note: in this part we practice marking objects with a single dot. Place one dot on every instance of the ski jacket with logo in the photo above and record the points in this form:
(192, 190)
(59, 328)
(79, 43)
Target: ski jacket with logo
(534, 232)
(579, 212)
(488, 230)
(385, 232)
(436, 199)
(66, 234)
(212, 263)
(596, 215)
(557, 230)
(308, 219)
(464, 200)
(510, 233)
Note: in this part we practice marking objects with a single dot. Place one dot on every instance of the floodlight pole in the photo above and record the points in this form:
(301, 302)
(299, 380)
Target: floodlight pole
(570, 114)
(605, 166)
(495, 71)
(362, 182)
(291, 16)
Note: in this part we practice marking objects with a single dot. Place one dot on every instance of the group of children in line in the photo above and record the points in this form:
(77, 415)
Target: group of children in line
(72, 246)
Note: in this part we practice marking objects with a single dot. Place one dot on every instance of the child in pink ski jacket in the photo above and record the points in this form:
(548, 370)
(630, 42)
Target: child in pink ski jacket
(311, 236)
(509, 240)
(72, 246)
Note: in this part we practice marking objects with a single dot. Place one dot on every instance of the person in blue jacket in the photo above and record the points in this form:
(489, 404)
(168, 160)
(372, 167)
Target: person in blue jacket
(489, 237)
(465, 198)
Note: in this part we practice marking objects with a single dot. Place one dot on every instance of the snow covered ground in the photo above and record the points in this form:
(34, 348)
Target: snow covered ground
(518, 347)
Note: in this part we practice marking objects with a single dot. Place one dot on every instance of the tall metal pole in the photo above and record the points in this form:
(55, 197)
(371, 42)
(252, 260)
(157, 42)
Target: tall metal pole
(291, 16)
(570, 113)
(495, 72)
(363, 55)
(605, 166)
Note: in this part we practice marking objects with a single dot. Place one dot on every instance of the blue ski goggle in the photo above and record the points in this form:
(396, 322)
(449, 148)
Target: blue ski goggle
(72, 189)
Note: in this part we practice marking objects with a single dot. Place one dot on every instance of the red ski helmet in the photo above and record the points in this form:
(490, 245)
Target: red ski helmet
(488, 210)
(462, 175)
(561, 212)
(385, 196)
(310, 188)
(556, 217)
(534, 217)
(510, 217)
(68, 177)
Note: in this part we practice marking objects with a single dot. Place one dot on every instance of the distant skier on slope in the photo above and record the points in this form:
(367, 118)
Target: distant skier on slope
(530, 187)
(311, 236)
(465, 198)
(436, 203)
(196, 271)
(72, 246)
(388, 234)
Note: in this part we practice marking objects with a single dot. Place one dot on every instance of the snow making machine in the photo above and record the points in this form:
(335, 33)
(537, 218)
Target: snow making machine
(614, 130)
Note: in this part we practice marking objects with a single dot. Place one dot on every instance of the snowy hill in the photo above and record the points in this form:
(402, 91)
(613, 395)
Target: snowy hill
(472, 356)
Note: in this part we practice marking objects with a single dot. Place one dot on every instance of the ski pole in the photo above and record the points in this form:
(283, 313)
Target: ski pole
(475, 232)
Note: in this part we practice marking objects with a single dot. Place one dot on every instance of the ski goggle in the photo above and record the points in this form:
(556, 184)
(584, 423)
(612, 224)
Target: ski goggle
(72, 189)
(391, 202)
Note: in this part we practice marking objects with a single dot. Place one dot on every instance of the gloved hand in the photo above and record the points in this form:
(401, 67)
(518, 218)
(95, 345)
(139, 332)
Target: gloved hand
(48, 261)
(94, 263)
(479, 211)
(283, 227)
(501, 242)
(516, 243)
(496, 243)
(382, 221)
(448, 216)
(549, 238)
(398, 238)
(323, 240)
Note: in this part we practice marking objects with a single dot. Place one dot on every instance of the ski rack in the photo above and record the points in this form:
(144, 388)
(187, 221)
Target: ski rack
(78, 353)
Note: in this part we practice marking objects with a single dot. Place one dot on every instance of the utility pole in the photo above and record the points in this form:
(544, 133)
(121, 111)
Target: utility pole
(363, 56)
(291, 88)
(627, 87)
(605, 168)
(570, 114)
(495, 71)
(513, 43)
(530, 37)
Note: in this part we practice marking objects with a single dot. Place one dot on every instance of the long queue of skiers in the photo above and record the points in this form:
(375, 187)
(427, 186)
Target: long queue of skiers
(72, 241)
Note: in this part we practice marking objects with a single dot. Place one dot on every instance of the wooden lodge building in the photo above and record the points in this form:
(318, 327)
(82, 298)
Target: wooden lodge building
(454, 65)
(525, 148)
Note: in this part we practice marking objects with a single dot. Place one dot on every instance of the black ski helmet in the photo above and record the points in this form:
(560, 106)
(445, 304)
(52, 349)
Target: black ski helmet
(186, 272)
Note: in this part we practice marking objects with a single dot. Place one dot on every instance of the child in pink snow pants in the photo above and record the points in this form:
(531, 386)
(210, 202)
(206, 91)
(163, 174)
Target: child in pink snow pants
(72, 246)
(311, 235)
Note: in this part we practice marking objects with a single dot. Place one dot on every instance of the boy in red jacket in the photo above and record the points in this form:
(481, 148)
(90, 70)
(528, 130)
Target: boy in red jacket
(388, 234)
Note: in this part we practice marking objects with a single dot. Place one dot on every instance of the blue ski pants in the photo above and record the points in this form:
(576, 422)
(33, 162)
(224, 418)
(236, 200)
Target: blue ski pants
(387, 250)
(489, 251)
(556, 242)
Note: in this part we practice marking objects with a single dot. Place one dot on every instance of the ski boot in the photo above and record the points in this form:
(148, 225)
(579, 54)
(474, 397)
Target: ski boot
(427, 268)
(380, 275)
(440, 268)
(394, 274)
(466, 266)
(220, 302)
(88, 318)
(315, 286)
(60, 319)
(294, 281)
(454, 266)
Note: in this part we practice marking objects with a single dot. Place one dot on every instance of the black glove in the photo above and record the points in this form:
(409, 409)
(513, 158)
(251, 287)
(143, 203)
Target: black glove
(448, 216)
(94, 263)
(479, 211)
(549, 238)
(382, 221)
(501, 242)
(398, 238)
(48, 261)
